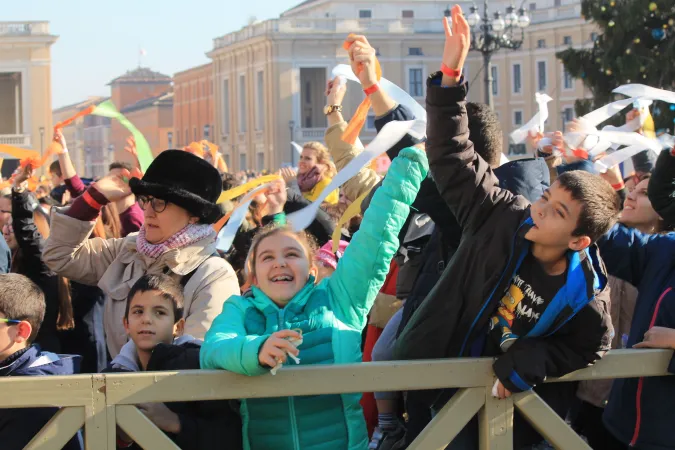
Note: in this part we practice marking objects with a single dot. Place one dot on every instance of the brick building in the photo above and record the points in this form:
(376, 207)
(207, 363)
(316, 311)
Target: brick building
(134, 92)
(193, 107)
(154, 119)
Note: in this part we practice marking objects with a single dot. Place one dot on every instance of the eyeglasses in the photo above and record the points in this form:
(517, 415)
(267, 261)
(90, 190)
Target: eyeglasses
(10, 321)
(158, 205)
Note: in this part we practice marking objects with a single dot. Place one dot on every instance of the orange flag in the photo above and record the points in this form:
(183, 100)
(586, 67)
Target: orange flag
(357, 121)
(84, 112)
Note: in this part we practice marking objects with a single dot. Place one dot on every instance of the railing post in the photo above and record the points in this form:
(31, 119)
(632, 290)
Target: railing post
(96, 423)
(495, 423)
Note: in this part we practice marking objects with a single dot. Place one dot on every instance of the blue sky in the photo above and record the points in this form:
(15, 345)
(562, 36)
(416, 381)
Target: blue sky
(99, 40)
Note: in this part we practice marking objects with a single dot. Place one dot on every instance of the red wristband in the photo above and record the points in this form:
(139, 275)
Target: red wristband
(91, 202)
(123, 444)
(372, 89)
(452, 73)
(618, 186)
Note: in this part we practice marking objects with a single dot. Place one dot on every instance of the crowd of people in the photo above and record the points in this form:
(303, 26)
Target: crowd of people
(538, 263)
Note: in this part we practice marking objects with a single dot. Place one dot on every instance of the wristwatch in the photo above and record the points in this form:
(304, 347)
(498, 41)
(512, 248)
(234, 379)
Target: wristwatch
(330, 109)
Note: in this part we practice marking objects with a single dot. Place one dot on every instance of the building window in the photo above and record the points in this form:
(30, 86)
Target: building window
(365, 14)
(227, 160)
(541, 43)
(242, 103)
(194, 133)
(415, 82)
(517, 118)
(533, 6)
(370, 122)
(408, 14)
(517, 149)
(494, 71)
(568, 81)
(260, 162)
(567, 40)
(187, 137)
(260, 100)
(557, 3)
(594, 37)
(169, 139)
(207, 132)
(568, 115)
(541, 75)
(415, 51)
(517, 84)
(242, 161)
(178, 138)
(226, 107)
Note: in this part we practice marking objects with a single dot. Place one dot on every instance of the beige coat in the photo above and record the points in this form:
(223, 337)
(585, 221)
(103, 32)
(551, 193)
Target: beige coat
(115, 265)
(342, 154)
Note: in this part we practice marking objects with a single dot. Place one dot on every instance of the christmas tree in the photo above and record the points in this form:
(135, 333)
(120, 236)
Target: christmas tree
(635, 44)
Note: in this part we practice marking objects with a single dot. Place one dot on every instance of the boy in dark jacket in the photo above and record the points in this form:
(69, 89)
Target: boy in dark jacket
(22, 309)
(526, 283)
(153, 319)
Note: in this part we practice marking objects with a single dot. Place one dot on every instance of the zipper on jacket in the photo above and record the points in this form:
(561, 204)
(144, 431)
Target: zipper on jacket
(480, 313)
(638, 395)
(294, 424)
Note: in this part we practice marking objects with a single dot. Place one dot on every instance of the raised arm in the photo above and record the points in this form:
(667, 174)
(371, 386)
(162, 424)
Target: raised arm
(464, 179)
(364, 266)
(69, 251)
(73, 182)
(662, 186)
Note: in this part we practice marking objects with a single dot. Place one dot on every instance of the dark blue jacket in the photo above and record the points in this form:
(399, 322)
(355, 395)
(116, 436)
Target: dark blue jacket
(5, 257)
(647, 262)
(19, 425)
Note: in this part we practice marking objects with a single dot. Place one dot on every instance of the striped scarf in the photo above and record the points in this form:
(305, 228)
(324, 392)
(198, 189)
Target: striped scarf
(187, 236)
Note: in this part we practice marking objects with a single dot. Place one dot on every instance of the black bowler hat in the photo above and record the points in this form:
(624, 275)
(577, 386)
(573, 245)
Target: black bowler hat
(186, 180)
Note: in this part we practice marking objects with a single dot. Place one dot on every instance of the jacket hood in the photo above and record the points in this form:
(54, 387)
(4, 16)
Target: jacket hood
(526, 177)
(33, 361)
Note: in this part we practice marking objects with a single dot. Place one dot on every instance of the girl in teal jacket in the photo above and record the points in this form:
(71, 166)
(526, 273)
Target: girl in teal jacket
(250, 335)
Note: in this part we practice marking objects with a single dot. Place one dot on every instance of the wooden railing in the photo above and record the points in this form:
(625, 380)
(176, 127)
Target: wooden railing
(101, 402)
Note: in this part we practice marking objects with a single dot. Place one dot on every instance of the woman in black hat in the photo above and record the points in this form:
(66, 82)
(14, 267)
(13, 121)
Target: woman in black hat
(178, 196)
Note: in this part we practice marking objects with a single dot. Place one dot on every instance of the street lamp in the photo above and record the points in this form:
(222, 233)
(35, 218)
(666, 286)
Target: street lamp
(42, 141)
(491, 35)
(291, 127)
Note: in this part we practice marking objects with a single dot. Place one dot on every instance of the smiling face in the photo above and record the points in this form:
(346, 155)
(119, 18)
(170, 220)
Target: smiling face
(282, 266)
(555, 216)
(151, 320)
(638, 211)
(308, 159)
(8, 234)
(5, 210)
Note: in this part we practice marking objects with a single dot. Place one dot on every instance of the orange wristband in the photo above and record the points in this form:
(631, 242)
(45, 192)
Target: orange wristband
(91, 202)
(452, 73)
(372, 89)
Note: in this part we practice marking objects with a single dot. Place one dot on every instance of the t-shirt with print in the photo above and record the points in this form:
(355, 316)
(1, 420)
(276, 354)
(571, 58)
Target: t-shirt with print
(528, 295)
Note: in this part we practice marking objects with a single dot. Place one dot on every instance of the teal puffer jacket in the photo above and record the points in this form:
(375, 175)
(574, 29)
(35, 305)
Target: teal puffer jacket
(331, 316)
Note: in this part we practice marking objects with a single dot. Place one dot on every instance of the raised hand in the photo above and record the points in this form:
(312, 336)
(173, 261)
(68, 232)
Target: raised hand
(61, 140)
(288, 174)
(457, 43)
(116, 187)
(22, 175)
(335, 91)
(276, 198)
(363, 60)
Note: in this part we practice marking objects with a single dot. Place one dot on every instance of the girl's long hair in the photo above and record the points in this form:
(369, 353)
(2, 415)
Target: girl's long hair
(65, 319)
(108, 225)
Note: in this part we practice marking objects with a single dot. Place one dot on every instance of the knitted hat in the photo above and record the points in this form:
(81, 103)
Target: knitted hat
(185, 180)
(326, 255)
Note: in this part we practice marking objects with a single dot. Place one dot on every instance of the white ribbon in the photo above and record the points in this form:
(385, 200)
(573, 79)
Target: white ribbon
(619, 156)
(596, 117)
(298, 148)
(390, 134)
(229, 231)
(646, 92)
(396, 93)
(536, 123)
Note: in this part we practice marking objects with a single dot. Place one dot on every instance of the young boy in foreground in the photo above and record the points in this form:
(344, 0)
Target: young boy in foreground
(22, 309)
(527, 284)
(153, 320)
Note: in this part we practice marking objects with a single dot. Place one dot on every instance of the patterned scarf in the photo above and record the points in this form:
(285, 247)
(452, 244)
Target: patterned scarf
(188, 235)
(307, 180)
